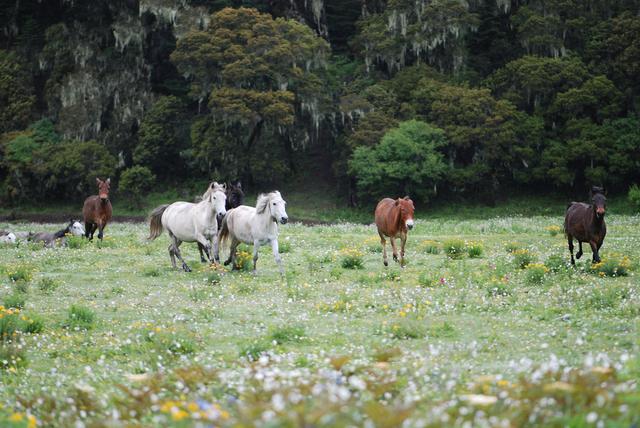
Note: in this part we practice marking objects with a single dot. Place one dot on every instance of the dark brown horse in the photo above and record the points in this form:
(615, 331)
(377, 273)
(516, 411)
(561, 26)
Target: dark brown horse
(394, 218)
(235, 198)
(586, 224)
(97, 210)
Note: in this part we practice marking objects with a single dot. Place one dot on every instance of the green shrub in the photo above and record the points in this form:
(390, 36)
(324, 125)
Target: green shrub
(634, 196)
(454, 248)
(15, 300)
(244, 259)
(613, 265)
(351, 258)
(535, 273)
(556, 263)
(284, 246)
(523, 257)
(8, 324)
(48, 285)
(431, 247)
(22, 272)
(76, 242)
(287, 334)
(12, 357)
(254, 349)
(511, 247)
(135, 184)
(410, 152)
(474, 249)
(32, 324)
(213, 278)
(407, 328)
(80, 318)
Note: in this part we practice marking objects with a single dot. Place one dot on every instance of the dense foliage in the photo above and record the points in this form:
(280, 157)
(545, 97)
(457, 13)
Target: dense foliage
(535, 94)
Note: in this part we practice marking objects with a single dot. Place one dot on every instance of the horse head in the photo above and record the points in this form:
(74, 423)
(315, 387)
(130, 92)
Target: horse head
(103, 188)
(216, 195)
(276, 205)
(235, 195)
(75, 228)
(599, 201)
(406, 211)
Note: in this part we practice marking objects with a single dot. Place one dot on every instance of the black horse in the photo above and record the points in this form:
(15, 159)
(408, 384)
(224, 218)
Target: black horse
(586, 223)
(235, 198)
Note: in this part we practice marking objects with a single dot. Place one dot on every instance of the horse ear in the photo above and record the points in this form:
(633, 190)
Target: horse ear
(406, 198)
(108, 180)
(98, 181)
(397, 202)
(238, 185)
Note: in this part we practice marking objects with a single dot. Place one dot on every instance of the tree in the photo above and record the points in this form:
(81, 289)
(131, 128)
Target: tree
(163, 134)
(406, 161)
(254, 71)
(16, 93)
(490, 141)
(408, 31)
(135, 183)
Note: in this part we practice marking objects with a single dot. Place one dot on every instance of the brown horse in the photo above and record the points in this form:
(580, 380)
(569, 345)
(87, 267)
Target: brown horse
(394, 218)
(97, 210)
(586, 223)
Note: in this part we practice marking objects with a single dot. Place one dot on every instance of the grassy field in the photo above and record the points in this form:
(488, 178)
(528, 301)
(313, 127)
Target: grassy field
(486, 326)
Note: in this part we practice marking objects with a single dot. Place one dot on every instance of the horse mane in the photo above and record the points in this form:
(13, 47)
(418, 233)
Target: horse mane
(210, 190)
(263, 201)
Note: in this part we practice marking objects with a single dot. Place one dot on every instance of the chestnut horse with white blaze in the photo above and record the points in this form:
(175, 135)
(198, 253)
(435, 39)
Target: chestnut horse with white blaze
(393, 219)
(97, 210)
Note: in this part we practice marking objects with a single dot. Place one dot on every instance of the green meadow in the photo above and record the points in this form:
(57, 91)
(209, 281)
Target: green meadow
(485, 326)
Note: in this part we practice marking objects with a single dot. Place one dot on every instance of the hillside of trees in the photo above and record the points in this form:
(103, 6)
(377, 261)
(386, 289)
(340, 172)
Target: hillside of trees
(433, 98)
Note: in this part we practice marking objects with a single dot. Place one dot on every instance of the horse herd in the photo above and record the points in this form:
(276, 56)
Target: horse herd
(219, 216)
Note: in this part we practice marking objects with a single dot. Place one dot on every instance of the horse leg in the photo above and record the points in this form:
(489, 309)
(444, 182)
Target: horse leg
(87, 229)
(579, 253)
(204, 247)
(403, 241)
(570, 239)
(594, 250)
(216, 249)
(276, 255)
(256, 247)
(232, 253)
(176, 251)
(101, 227)
(172, 255)
(384, 249)
(90, 230)
(201, 251)
(395, 250)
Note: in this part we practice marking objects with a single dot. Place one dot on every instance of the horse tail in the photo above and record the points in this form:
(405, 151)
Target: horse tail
(155, 222)
(223, 234)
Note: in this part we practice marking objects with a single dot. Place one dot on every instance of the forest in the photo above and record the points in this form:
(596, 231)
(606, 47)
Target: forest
(432, 98)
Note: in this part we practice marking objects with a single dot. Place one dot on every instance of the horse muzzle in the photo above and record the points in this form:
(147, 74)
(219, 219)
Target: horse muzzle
(104, 198)
(410, 224)
(284, 220)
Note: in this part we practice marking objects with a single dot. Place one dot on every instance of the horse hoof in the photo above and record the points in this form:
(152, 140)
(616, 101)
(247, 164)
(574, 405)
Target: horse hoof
(386, 263)
(578, 255)
(186, 268)
(226, 262)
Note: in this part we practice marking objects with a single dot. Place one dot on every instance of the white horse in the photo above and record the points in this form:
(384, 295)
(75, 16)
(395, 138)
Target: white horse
(189, 222)
(257, 226)
(9, 238)
(51, 239)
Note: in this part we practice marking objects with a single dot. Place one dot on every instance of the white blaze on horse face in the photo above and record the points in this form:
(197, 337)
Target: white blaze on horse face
(77, 229)
(409, 223)
(278, 212)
